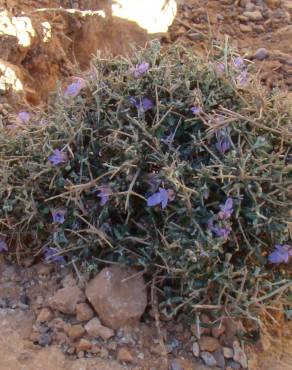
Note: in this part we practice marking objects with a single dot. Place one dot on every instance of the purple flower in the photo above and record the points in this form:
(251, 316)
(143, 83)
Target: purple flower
(104, 193)
(226, 209)
(161, 197)
(58, 157)
(220, 232)
(3, 246)
(144, 105)
(51, 255)
(196, 110)
(282, 253)
(59, 215)
(242, 78)
(223, 142)
(24, 117)
(74, 88)
(141, 69)
(238, 62)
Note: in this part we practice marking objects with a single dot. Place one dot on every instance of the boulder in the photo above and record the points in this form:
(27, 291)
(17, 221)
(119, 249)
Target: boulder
(66, 299)
(117, 297)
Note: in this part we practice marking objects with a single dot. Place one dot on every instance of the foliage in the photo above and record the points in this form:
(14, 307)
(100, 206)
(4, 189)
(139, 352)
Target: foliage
(177, 165)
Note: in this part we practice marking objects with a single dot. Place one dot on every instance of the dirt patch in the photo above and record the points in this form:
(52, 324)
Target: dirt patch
(40, 48)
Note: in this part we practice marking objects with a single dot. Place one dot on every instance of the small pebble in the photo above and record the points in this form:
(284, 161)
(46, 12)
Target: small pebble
(254, 16)
(239, 356)
(228, 352)
(44, 340)
(209, 359)
(261, 54)
(245, 28)
(196, 349)
(124, 355)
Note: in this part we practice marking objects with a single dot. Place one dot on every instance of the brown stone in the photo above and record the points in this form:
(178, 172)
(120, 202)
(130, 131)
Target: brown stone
(124, 355)
(208, 344)
(66, 299)
(245, 28)
(75, 332)
(94, 328)
(84, 345)
(218, 330)
(228, 352)
(117, 297)
(45, 315)
(84, 312)
(239, 356)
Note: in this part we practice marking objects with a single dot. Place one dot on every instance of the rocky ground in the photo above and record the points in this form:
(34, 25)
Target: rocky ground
(48, 317)
(51, 319)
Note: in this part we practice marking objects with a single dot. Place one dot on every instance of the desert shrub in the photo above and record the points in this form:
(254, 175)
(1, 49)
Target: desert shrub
(174, 164)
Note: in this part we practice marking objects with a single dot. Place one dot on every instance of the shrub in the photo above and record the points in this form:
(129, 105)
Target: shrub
(168, 162)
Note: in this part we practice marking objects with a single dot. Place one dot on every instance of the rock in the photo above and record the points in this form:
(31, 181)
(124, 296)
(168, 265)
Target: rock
(59, 325)
(219, 357)
(273, 4)
(208, 344)
(287, 4)
(174, 365)
(239, 355)
(261, 54)
(196, 349)
(233, 365)
(228, 352)
(66, 299)
(245, 28)
(61, 338)
(155, 18)
(84, 345)
(103, 353)
(228, 337)
(124, 355)
(209, 359)
(95, 349)
(112, 346)
(117, 298)
(45, 315)
(75, 332)
(259, 28)
(84, 312)
(68, 281)
(94, 328)
(80, 354)
(254, 16)
(44, 270)
(217, 331)
(44, 340)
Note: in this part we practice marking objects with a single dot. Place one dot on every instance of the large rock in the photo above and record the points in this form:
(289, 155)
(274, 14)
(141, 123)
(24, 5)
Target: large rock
(117, 296)
(66, 299)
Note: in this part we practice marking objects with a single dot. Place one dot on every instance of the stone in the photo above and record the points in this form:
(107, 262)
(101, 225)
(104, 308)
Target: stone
(174, 365)
(208, 344)
(218, 330)
(75, 332)
(196, 349)
(228, 352)
(95, 349)
(245, 28)
(239, 355)
(84, 345)
(261, 54)
(80, 354)
(273, 4)
(103, 353)
(208, 359)
(94, 328)
(259, 28)
(117, 297)
(233, 365)
(154, 19)
(219, 357)
(84, 312)
(45, 315)
(44, 340)
(227, 338)
(68, 281)
(124, 355)
(65, 300)
(287, 4)
(254, 16)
